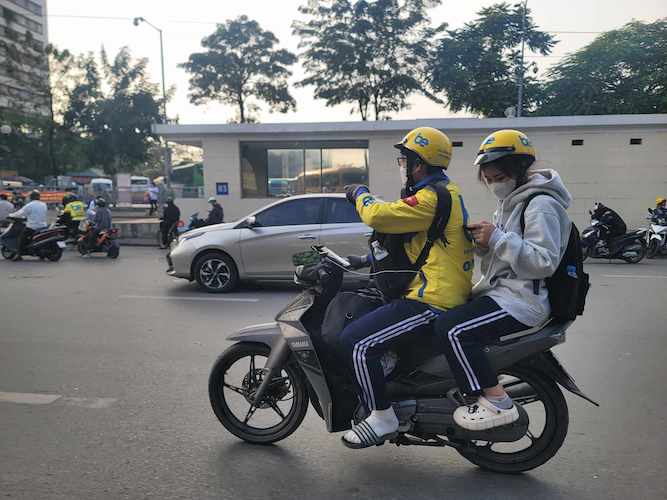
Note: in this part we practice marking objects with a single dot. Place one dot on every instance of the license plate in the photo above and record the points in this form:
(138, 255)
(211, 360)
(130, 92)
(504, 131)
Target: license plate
(61, 244)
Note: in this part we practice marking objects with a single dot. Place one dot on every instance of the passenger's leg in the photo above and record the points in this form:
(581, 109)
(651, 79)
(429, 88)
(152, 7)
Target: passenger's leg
(463, 332)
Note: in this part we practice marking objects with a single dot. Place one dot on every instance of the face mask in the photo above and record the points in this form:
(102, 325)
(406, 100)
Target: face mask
(404, 175)
(502, 189)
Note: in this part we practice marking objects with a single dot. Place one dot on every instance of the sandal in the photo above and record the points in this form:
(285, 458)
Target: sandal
(484, 415)
(367, 437)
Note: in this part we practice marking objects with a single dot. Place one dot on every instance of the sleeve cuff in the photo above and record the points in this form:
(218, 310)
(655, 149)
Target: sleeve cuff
(496, 235)
(360, 190)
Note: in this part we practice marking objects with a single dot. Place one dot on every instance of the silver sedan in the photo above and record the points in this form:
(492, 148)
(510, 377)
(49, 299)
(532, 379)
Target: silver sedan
(263, 245)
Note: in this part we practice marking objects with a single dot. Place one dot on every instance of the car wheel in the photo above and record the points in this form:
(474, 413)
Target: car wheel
(216, 272)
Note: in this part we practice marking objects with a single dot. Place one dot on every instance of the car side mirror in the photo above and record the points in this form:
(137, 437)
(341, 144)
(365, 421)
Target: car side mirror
(249, 222)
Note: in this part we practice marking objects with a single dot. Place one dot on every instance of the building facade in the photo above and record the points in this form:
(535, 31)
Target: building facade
(620, 160)
(23, 66)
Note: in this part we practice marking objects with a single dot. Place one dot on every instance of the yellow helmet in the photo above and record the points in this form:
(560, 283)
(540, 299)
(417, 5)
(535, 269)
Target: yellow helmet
(659, 200)
(505, 143)
(431, 145)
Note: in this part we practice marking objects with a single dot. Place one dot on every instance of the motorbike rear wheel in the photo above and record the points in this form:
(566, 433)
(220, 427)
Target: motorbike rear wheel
(526, 387)
(640, 255)
(237, 373)
(55, 254)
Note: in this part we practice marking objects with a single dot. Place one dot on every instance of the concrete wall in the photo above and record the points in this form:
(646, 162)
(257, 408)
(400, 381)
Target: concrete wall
(606, 168)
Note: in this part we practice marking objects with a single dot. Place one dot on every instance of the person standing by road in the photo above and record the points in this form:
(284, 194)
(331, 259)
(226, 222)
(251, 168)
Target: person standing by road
(170, 217)
(35, 212)
(153, 191)
(216, 215)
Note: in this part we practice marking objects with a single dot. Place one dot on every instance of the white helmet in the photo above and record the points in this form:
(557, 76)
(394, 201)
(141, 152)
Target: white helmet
(212, 199)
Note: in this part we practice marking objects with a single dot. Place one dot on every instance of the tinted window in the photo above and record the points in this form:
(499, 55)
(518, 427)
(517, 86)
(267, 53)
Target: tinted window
(292, 213)
(340, 211)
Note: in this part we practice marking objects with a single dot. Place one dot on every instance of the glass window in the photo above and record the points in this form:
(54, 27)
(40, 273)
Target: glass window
(285, 171)
(284, 168)
(341, 167)
(340, 211)
(292, 213)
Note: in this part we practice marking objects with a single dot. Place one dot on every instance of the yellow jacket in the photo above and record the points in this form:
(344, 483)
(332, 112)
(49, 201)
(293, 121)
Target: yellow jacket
(445, 280)
(76, 210)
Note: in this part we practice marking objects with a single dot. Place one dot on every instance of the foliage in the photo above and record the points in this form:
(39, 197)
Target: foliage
(240, 64)
(367, 53)
(477, 66)
(113, 107)
(621, 71)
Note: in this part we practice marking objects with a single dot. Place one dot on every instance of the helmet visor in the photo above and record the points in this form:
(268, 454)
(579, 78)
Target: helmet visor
(492, 155)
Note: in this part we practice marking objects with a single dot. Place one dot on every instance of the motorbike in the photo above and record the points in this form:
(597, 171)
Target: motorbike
(45, 244)
(630, 247)
(105, 242)
(72, 229)
(179, 228)
(260, 387)
(656, 235)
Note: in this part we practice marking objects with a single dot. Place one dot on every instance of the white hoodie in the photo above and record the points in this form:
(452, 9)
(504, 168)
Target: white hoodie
(514, 261)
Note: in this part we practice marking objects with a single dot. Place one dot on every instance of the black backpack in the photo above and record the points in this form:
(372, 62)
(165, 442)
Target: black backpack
(402, 271)
(569, 285)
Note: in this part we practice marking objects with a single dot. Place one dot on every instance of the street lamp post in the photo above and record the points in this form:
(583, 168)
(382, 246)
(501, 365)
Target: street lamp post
(519, 99)
(167, 159)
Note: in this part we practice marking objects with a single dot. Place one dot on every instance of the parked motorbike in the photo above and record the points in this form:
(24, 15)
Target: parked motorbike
(261, 386)
(45, 244)
(656, 235)
(105, 242)
(179, 228)
(630, 247)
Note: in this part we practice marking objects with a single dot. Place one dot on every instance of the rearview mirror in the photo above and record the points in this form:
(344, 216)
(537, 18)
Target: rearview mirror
(249, 222)
(650, 210)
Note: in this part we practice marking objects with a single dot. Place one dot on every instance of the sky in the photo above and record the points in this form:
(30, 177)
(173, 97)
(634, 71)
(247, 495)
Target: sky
(83, 26)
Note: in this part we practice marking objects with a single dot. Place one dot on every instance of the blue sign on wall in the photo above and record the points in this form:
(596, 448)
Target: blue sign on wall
(221, 188)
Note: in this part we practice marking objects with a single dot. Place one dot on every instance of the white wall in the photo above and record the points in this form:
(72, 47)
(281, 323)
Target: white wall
(605, 168)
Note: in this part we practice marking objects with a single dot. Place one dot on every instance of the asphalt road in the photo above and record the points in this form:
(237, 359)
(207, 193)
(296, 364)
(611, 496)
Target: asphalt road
(129, 351)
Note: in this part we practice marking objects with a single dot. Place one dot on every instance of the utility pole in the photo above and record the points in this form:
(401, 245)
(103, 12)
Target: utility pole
(519, 98)
(167, 155)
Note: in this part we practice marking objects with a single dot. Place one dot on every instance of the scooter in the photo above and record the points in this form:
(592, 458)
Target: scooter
(45, 244)
(656, 235)
(630, 247)
(105, 242)
(261, 386)
(176, 230)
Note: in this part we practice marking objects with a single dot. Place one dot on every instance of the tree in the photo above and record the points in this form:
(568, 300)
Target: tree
(113, 108)
(477, 66)
(621, 71)
(240, 63)
(366, 53)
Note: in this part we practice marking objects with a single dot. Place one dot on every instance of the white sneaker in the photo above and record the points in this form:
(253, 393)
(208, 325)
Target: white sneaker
(484, 415)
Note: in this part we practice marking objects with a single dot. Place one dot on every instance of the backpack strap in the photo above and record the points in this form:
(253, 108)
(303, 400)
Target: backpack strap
(437, 229)
(536, 283)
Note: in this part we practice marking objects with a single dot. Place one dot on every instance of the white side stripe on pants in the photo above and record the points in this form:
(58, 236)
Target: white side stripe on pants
(361, 347)
(362, 378)
(453, 336)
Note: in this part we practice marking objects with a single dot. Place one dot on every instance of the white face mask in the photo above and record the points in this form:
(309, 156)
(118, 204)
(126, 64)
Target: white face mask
(501, 189)
(403, 169)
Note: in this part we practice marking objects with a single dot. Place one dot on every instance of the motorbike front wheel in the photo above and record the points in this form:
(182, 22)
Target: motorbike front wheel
(7, 253)
(549, 418)
(235, 377)
(652, 249)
